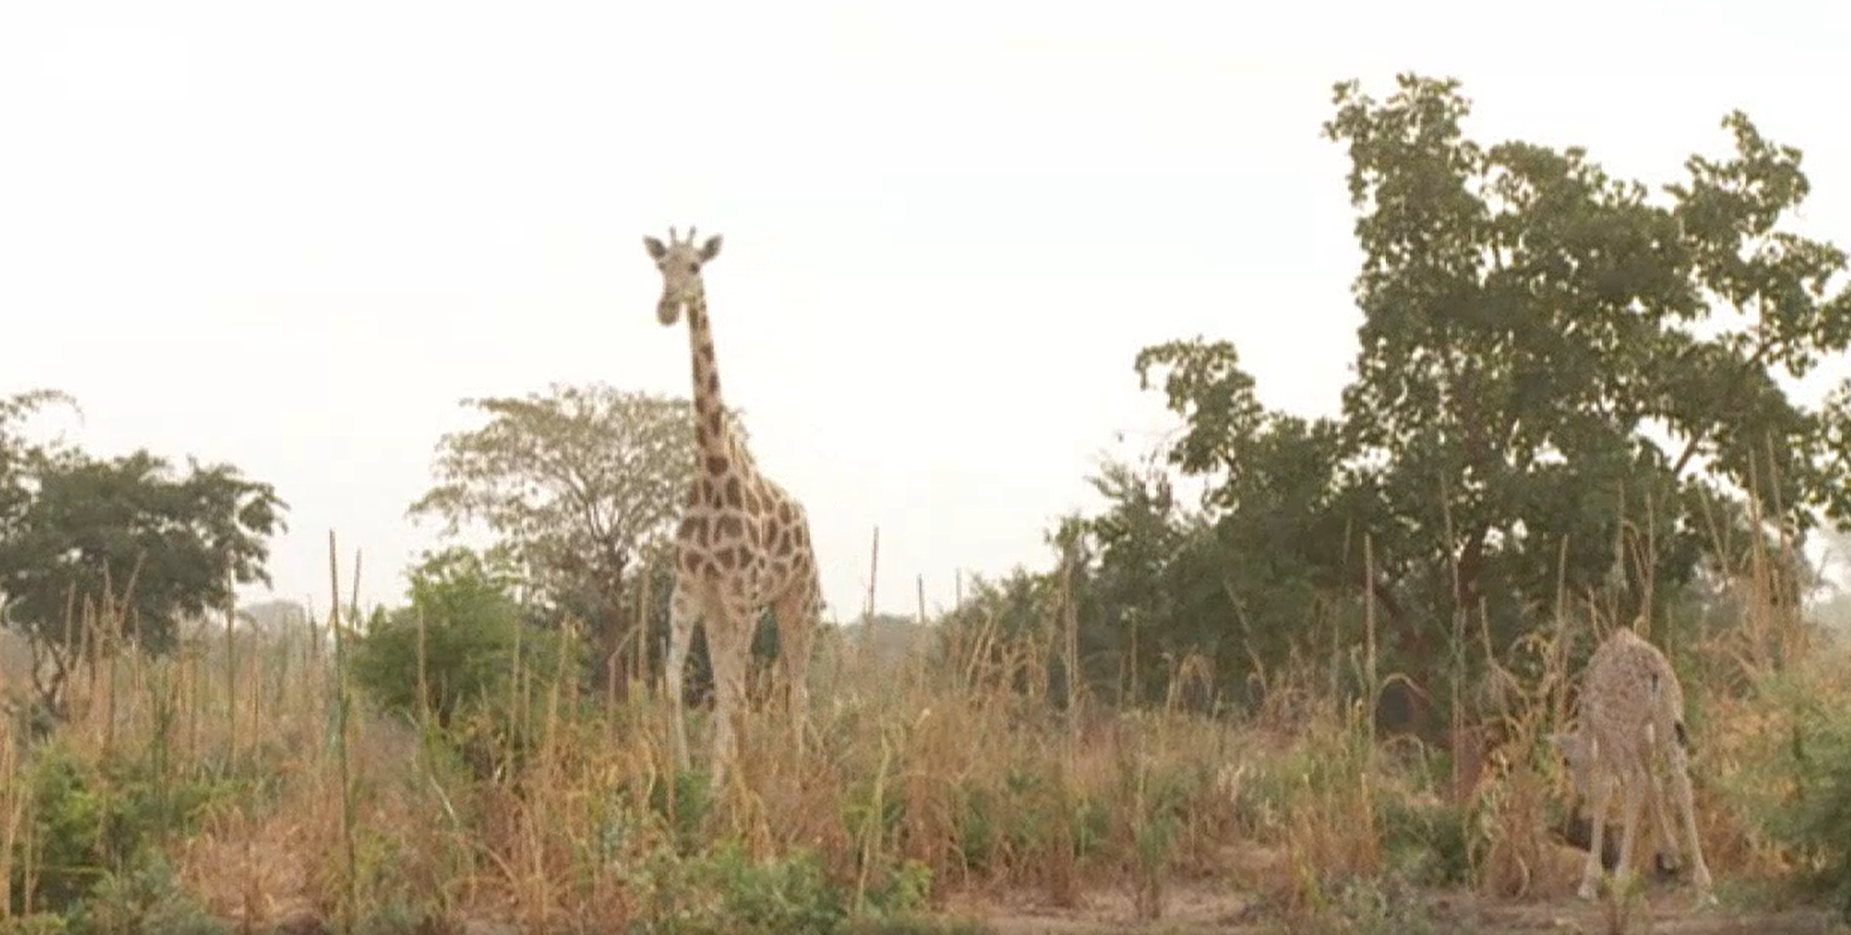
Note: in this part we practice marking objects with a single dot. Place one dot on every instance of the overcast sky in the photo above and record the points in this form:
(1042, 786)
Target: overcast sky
(294, 236)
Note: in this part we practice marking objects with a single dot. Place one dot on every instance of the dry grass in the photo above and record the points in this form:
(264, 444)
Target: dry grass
(307, 805)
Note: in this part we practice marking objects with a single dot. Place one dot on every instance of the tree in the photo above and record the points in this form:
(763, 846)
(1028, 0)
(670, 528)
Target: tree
(140, 547)
(1285, 508)
(1142, 595)
(575, 483)
(457, 653)
(20, 457)
(1533, 352)
(1559, 382)
(1004, 629)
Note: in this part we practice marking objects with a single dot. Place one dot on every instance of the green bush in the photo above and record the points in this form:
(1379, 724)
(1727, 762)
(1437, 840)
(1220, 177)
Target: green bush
(724, 891)
(1430, 842)
(684, 808)
(147, 899)
(727, 894)
(91, 824)
(486, 672)
(1816, 819)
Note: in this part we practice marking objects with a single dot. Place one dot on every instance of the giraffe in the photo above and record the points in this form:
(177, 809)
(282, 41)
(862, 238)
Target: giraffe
(1632, 719)
(744, 541)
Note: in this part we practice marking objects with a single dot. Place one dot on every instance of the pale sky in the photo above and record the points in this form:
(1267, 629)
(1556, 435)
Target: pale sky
(294, 236)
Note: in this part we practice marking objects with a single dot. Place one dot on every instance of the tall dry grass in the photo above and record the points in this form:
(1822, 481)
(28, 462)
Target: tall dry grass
(281, 797)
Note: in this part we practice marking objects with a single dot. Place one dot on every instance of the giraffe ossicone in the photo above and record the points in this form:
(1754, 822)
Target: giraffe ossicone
(743, 544)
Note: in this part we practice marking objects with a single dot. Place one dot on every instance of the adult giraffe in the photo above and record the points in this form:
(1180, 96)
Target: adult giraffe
(744, 541)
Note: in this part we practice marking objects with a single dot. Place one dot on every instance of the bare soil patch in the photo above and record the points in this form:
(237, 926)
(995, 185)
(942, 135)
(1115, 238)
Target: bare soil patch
(1206, 908)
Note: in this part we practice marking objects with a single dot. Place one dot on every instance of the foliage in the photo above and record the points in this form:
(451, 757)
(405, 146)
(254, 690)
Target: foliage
(1563, 387)
(1430, 842)
(577, 484)
(90, 823)
(1811, 761)
(455, 639)
(1531, 355)
(123, 535)
(1004, 623)
(729, 893)
(1230, 583)
(1554, 393)
(725, 891)
(459, 653)
(21, 457)
(172, 547)
(145, 899)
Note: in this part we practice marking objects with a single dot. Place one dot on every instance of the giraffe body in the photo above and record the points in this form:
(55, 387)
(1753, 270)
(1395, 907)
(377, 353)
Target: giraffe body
(744, 541)
(1631, 738)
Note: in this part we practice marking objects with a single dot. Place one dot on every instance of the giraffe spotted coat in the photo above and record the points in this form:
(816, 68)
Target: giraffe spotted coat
(744, 541)
(1631, 737)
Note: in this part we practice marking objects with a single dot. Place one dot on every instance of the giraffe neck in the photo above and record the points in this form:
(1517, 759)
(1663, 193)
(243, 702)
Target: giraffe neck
(710, 433)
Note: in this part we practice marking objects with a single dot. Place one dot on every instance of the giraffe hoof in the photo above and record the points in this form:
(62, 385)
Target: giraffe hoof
(1667, 865)
(1589, 891)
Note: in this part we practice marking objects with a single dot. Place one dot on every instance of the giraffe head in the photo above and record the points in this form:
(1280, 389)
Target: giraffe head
(680, 262)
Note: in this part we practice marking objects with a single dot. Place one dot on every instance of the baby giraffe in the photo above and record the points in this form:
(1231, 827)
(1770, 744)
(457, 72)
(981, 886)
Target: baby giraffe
(1631, 725)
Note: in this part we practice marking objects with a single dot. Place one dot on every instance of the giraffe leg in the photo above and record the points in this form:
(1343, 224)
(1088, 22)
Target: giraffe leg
(729, 646)
(1668, 857)
(1686, 805)
(1597, 829)
(796, 616)
(1632, 803)
(683, 614)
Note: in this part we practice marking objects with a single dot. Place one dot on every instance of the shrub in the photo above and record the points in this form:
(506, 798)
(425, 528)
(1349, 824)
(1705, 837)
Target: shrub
(729, 893)
(91, 824)
(1815, 817)
(147, 899)
(459, 654)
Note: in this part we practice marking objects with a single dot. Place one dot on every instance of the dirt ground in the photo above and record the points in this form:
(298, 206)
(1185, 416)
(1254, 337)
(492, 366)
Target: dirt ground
(1208, 909)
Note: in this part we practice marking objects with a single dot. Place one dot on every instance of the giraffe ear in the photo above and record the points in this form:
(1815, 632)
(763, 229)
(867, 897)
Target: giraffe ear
(711, 248)
(654, 246)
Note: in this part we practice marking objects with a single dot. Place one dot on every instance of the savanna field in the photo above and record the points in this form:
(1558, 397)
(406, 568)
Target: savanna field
(1317, 698)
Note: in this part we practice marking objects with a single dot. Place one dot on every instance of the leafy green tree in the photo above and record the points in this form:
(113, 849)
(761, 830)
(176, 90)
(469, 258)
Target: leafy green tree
(1283, 514)
(1005, 628)
(576, 483)
(127, 536)
(1239, 581)
(1561, 383)
(1551, 363)
(1139, 593)
(22, 458)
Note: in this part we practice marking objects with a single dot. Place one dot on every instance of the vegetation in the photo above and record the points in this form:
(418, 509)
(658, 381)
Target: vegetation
(1300, 701)
(580, 486)
(152, 549)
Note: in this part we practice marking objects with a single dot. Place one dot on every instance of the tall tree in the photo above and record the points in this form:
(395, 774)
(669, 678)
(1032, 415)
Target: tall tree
(575, 482)
(1559, 380)
(21, 457)
(1561, 363)
(132, 539)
